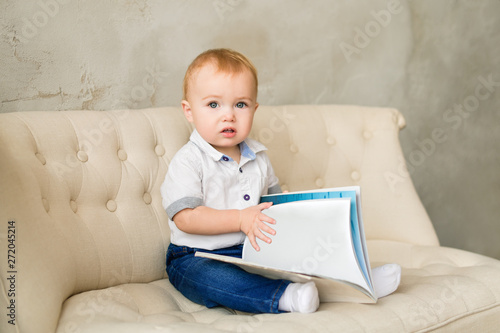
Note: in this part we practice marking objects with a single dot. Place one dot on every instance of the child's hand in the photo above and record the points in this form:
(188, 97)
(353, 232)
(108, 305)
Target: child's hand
(252, 223)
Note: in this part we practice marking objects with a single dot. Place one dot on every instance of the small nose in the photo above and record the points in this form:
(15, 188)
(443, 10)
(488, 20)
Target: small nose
(228, 114)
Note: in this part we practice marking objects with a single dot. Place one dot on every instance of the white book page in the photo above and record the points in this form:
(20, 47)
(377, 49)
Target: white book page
(312, 237)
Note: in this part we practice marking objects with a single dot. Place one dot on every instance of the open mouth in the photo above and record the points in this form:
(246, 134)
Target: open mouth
(228, 132)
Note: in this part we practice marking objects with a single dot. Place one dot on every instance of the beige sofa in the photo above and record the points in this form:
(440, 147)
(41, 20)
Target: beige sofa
(81, 191)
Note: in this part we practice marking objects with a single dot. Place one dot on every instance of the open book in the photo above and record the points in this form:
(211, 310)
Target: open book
(319, 237)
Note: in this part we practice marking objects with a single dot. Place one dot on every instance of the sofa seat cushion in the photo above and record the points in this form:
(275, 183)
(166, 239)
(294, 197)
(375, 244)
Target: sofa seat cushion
(441, 288)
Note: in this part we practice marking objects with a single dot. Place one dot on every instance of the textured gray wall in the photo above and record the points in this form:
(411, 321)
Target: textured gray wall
(436, 61)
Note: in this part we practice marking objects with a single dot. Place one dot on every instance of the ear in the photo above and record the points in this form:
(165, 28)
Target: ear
(186, 108)
(256, 106)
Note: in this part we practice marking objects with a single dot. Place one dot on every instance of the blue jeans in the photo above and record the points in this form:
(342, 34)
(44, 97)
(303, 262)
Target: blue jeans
(216, 283)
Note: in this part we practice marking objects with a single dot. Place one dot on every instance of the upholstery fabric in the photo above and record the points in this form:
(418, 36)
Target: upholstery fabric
(83, 190)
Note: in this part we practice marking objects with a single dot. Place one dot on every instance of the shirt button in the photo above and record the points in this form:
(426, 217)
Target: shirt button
(246, 197)
(241, 170)
(225, 158)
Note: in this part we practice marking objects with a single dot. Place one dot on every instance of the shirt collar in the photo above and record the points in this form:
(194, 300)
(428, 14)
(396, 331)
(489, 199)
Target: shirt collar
(248, 148)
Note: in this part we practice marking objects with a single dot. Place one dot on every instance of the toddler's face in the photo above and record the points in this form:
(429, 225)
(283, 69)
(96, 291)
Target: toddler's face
(222, 107)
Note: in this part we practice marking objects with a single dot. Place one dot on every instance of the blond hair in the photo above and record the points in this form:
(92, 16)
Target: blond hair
(225, 60)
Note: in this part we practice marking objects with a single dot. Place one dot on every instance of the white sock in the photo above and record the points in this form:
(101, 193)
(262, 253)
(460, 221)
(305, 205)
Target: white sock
(386, 279)
(299, 297)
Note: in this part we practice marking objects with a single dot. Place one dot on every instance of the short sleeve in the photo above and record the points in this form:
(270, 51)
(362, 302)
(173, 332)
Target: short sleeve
(182, 187)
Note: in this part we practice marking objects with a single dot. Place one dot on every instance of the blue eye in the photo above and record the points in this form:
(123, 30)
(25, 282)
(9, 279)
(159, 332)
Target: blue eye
(240, 105)
(213, 105)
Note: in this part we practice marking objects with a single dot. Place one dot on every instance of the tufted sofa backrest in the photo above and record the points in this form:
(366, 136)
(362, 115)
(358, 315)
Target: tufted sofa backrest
(83, 190)
(83, 186)
(321, 146)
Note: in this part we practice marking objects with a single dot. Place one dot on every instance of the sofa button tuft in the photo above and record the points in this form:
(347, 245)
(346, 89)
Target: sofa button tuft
(320, 182)
(82, 156)
(331, 140)
(46, 205)
(73, 205)
(367, 135)
(111, 205)
(159, 150)
(41, 158)
(147, 198)
(122, 155)
(294, 148)
(355, 175)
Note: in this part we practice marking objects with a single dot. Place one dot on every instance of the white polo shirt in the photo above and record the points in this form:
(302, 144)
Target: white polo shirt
(199, 175)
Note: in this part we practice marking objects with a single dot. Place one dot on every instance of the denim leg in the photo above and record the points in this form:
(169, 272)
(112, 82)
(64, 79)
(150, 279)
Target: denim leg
(213, 283)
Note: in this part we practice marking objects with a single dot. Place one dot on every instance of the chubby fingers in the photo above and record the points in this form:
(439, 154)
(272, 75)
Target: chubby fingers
(265, 227)
(265, 205)
(260, 235)
(264, 218)
(262, 226)
(254, 243)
